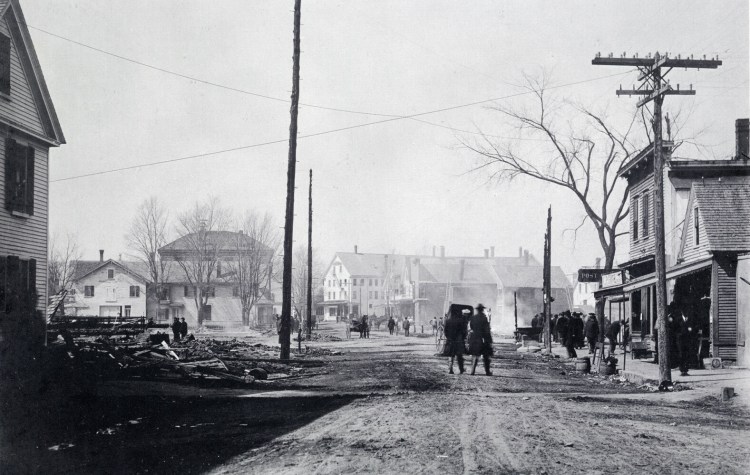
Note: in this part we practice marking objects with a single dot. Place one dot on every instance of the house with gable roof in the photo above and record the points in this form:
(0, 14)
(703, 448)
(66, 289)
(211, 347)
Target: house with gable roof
(28, 129)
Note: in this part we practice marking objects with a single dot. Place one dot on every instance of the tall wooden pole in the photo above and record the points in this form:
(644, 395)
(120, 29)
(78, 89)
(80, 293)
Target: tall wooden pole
(665, 372)
(309, 263)
(515, 311)
(548, 282)
(286, 287)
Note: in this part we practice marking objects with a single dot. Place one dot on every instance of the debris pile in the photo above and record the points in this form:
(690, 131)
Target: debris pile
(321, 337)
(152, 356)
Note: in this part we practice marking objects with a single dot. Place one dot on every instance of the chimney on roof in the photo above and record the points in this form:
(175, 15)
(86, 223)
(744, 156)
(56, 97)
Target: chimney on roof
(101, 255)
(492, 251)
(520, 251)
(240, 232)
(526, 257)
(486, 253)
(598, 262)
(742, 129)
(463, 266)
(355, 249)
(442, 251)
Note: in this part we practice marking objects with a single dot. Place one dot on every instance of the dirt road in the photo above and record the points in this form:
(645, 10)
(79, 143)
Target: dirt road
(388, 406)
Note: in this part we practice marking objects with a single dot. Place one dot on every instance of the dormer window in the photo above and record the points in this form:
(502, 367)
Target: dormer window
(110, 273)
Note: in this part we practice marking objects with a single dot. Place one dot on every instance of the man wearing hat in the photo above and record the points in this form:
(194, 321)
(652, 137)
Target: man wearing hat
(455, 335)
(480, 341)
(592, 331)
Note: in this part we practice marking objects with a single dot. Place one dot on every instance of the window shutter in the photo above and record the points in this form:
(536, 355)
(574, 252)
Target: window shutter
(10, 162)
(29, 204)
(2, 285)
(4, 64)
(12, 271)
(32, 294)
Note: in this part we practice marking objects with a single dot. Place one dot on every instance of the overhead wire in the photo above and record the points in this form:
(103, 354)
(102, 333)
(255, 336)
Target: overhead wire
(331, 131)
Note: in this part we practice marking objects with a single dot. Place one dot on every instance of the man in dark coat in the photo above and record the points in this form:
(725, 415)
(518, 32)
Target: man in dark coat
(455, 336)
(480, 340)
(592, 331)
(535, 321)
(578, 329)
(391, 324)
(612, 333)
(183, 328)
(553, 327)
(363, 326)
(561, 327)
(685, 333)
(407, 325)
(176, 329)
(568, 334)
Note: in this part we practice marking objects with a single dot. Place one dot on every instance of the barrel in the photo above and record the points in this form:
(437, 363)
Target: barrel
(606, 369)
(583, 364)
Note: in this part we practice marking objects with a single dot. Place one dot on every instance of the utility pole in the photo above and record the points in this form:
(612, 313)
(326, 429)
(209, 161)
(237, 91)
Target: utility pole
(547, 280)
(309, 263)
(286, 286)
(654, 87)
(515, 311)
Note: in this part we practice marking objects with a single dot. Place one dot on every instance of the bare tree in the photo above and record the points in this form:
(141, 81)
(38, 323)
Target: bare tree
(583, 154)
(251, 264)
(147, 234)
(299, 281)
(64, 255)
(199, 248)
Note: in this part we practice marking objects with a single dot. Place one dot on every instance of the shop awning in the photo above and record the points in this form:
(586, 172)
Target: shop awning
(672, 273)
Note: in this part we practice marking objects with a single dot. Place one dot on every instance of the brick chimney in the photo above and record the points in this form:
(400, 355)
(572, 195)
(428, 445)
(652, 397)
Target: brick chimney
(492, 251)
(101, 255)
(741, 130)
(355, 249)
(442, 251)
(526, 257)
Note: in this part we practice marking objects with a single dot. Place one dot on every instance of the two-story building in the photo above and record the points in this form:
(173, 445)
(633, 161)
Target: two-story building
(109, 288)
(707, 241)
(204, 271)
(28, 128)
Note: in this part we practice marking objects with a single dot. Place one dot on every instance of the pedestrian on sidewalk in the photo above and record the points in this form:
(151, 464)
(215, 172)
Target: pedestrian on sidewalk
(480, 340)
(391, 324)
(578, 330)
(455, 336)
(568, 335)
(363, 326)
(612, 333)
(407, 325)
(592, 331)
(561, 327)
(685, 341)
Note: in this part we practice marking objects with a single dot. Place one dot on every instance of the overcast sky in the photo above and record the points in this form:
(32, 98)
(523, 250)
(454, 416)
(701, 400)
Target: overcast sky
(399, 185)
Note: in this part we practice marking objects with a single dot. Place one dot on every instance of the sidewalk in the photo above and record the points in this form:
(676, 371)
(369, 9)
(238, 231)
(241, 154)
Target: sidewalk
(702, 382)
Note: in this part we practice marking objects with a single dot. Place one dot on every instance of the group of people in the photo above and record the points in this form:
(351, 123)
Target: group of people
(475, 328)
(573, 332)
(179, 329)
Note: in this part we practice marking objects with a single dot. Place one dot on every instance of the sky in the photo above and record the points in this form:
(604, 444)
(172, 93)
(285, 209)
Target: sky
(136, 82)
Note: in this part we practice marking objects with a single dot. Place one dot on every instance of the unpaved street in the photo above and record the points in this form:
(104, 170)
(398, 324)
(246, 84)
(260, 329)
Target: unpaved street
(387, 405)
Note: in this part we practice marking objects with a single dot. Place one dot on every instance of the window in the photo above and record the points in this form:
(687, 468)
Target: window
(370, 295)
(88, 291)
(370, 305)
(645, 214)
(235, 291)
(5, 64)
(354, 294)
(19, 177)
(135, 291)
(110, 273)
(696, 227)
(111, 294)
(354, 282)
(206, 313)
(189, 291)
(127, 310)
(346, 281)
(635, 219)
(376, 295)
(210, 291)
(361, 282)
(370, 283)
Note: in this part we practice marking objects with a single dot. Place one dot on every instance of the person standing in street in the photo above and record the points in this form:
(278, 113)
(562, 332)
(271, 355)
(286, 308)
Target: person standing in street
(612, 333)
(183, 328)
(176, 329)
(391, 325)
(480, 340)
(685, 341)
(455, 336)
(592, 331)
(407, 325)
(363, 327)
(567, 334)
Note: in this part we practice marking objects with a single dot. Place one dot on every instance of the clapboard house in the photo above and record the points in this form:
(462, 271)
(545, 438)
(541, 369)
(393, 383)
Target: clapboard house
(28, 129)
(707, 229)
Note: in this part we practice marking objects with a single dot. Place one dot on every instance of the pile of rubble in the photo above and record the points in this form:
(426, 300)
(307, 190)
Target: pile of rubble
(152, 356)
(321, 337)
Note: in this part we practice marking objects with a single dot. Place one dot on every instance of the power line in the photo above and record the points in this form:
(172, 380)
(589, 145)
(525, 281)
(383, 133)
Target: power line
(340, 129)
(203, 81)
